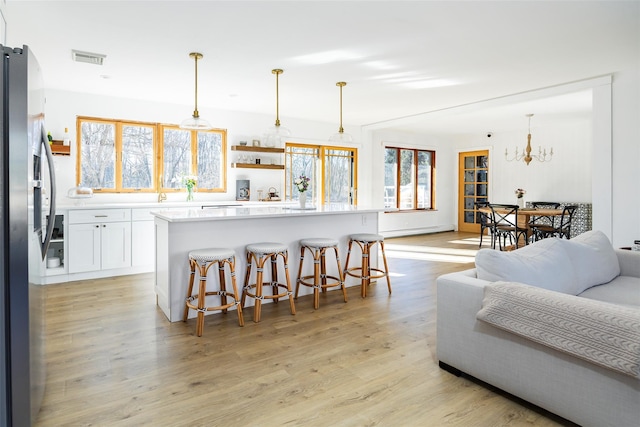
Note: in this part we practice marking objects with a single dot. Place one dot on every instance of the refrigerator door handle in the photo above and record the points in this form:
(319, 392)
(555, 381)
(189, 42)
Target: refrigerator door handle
(52, 200)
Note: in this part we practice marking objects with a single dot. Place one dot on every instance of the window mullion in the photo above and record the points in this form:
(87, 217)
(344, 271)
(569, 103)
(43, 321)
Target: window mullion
(118, 155)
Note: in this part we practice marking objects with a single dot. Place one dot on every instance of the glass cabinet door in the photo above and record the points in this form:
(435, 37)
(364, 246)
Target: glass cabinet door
(474, 183)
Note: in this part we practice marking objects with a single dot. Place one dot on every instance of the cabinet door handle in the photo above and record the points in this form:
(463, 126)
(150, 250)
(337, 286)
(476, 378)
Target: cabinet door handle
(104, 225)
(97, 226)
(100, 216)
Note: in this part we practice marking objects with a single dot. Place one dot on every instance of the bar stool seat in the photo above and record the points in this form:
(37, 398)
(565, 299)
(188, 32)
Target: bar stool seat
(364, 272)
(201, 260)
(318, 247)
(258, 254)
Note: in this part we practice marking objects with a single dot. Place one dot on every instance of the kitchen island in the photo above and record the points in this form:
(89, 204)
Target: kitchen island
(177, 232)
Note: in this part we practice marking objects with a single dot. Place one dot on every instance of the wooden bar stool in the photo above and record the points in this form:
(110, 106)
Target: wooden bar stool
(202, 260)
(366, 241)
(258, 254)
(318, 247)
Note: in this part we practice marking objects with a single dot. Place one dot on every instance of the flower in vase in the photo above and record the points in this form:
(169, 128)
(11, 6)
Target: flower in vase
(302, 183)
(520, 192)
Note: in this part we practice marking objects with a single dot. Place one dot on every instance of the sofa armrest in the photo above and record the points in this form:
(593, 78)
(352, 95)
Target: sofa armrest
(629, 262)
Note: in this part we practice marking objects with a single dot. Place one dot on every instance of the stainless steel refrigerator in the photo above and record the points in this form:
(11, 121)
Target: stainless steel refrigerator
(26, 224)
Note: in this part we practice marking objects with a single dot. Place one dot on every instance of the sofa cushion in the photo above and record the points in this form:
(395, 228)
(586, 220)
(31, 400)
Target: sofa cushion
(593, 258)
(623, 290)
(545, 264)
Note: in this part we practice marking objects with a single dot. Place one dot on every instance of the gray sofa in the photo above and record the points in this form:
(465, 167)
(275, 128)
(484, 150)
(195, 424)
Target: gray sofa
(584, 274)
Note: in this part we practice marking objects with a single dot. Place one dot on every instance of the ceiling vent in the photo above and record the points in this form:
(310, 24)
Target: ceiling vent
(87, 57)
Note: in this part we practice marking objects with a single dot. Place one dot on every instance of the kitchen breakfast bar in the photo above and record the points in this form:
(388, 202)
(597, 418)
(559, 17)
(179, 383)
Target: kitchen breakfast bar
(177, 232)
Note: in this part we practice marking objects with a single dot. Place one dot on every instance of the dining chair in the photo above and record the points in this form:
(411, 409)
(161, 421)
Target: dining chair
(540, 219)
(487, 222)
(506, 225)
(563, 230)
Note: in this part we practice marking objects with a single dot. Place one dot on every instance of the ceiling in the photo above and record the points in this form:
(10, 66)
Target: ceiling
(399, 58)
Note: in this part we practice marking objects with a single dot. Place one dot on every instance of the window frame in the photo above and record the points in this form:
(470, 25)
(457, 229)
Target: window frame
(398, 187)
(194, 159)
(158, 156)
(320, 157)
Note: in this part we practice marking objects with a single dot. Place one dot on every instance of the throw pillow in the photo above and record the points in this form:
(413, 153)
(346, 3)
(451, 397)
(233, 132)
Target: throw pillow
(544, 264)
(593, 258)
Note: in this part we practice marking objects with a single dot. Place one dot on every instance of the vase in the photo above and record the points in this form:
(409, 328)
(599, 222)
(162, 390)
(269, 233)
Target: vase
(189, 194)
(302, 198)
(520, 202)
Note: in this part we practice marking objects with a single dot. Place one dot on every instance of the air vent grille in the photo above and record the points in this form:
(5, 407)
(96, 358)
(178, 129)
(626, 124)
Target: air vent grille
(88, 57)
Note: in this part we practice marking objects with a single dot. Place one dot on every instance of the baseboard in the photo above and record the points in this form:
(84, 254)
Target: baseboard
(416, 231)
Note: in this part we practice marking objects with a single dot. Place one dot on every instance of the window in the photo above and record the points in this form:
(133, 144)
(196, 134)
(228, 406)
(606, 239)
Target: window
(408, 178)
(332, 170)
(123, 156)
(188, 152)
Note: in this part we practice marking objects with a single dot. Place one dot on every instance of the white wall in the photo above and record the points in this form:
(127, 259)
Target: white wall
(567, 177)
(416, 222)
(596, 160)
(625, 187)
(63, 107)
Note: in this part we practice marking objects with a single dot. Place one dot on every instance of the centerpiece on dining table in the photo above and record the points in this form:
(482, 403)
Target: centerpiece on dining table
(519, 197)
(302, 184)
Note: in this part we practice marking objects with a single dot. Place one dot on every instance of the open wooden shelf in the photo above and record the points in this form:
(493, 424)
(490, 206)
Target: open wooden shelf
(256, 149)
(254, 166)
(58, 148)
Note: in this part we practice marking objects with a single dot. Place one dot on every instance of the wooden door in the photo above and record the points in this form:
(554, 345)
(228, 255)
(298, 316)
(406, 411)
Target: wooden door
(473, 186)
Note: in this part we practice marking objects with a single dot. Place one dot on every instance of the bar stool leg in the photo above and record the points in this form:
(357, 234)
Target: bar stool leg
(257, 308)
(340, 275)
(366, 272)
(316, 278)
(232, 265)
(245, 287)
(192, 276)
(386, 267)
(285, 257)
(223, 288)
(323, 270)
(201, 299)
(274, 276)
(299, 277)
(346, 264)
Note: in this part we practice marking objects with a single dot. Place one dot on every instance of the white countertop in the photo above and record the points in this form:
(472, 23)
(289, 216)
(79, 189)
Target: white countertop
(166, 205)
(256, 212)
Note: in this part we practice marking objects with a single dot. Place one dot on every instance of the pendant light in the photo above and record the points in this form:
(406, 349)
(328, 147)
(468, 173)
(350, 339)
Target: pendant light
(340, 136)
(275, 133)
(195, 122)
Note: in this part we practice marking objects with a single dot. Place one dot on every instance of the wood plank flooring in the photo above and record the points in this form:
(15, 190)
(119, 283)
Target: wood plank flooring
(114, 360)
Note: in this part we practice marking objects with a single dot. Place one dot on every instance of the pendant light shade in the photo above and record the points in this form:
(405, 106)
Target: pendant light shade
(275, 133)
(195, 122)
(341, 136)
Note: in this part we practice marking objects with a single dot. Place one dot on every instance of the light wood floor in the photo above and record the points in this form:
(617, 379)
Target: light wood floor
(114, 360)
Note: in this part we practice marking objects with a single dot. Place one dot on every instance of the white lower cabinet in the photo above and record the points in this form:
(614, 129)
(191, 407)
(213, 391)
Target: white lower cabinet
(99, 245)
(143, 238)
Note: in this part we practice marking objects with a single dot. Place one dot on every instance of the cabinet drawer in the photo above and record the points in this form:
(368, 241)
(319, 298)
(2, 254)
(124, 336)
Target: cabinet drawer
(142, 214)
(86, 216)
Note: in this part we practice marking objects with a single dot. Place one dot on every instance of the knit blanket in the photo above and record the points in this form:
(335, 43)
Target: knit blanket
(602, 333)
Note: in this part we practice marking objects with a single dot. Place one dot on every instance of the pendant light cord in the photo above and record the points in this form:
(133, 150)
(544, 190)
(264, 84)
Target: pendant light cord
(277, 72)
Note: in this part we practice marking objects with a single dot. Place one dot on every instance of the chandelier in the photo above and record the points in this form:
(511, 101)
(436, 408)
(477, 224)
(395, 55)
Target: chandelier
(195, 122)
(526, 155)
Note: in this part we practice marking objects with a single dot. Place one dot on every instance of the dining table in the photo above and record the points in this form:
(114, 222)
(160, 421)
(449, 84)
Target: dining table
(524, 217)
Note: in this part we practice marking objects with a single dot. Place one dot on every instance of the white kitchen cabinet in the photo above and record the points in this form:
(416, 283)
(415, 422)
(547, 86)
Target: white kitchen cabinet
(99, 240)
(142, 238)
